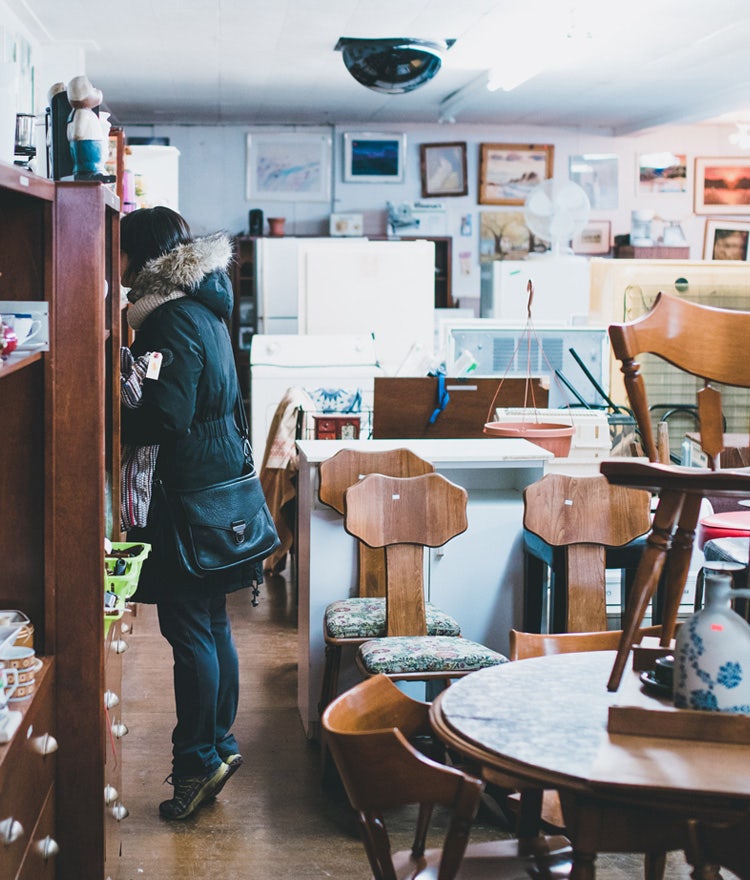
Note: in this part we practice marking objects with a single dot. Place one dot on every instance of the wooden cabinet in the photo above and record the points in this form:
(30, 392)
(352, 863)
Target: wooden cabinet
(245, 317)
(59, 410)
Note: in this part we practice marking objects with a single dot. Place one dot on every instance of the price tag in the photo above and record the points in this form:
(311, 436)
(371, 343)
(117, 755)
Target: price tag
(154, 365)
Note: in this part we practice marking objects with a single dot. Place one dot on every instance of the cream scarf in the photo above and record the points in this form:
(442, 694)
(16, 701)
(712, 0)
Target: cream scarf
(139, 310)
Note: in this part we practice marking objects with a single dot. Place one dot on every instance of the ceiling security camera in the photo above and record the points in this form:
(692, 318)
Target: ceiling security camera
(393, 66)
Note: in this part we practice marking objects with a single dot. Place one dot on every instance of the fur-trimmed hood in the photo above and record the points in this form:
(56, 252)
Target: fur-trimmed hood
(197, 269)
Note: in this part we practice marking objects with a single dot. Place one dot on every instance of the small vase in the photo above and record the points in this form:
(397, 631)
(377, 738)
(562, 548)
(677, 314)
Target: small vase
(712, 653)
(276, 226)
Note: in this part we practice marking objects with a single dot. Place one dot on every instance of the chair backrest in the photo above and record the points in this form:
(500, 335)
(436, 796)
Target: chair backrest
(368, 729)
(405, 515)
(585, 515)
(347, 467)
(525, 645)
(704, 341)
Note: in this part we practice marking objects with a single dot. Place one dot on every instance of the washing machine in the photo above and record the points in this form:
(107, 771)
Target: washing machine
(312, 362)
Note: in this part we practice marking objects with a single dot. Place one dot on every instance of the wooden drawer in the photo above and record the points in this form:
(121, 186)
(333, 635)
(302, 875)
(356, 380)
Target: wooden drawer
(41, 856)
(26, 773)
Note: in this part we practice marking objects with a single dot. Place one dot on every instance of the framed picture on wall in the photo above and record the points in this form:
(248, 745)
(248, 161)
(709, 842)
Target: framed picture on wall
(726, 240)
(291, 167)
(508, 172)
(597, 174)
(374, 157)
(663, 172)
(722, 185)
(443, 169)
(593, 239)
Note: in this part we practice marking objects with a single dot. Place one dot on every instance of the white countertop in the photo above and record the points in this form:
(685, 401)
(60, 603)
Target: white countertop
(465, 451)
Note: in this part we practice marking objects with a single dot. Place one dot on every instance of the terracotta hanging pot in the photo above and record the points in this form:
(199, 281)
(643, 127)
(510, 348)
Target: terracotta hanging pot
(553, 437)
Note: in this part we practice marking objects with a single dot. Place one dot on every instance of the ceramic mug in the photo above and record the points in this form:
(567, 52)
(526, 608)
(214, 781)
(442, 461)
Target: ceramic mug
(23, 664)
(25, 326)
(7, 687)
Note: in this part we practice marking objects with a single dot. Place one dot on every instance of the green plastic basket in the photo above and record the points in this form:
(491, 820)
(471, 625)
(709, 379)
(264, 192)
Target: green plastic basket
(113, 614)
(124, 585)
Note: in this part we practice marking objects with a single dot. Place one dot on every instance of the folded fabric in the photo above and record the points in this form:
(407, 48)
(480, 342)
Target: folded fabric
(137, 462)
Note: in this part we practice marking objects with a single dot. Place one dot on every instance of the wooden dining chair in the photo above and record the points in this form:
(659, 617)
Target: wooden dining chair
(351, 620)
(538, 808)
(710, 346)
(370, 730)
(581, 520)
(407, 515)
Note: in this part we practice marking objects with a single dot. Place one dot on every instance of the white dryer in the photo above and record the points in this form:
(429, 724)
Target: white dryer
(311, 362)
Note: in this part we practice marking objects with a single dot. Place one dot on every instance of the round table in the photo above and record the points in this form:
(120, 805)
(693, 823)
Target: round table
(543, 722)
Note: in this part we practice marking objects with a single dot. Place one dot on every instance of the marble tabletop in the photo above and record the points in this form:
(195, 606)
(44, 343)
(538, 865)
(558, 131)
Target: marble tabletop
(546, 719)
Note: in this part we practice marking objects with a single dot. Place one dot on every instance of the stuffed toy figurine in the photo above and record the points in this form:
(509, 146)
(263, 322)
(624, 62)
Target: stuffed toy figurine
(88, 132)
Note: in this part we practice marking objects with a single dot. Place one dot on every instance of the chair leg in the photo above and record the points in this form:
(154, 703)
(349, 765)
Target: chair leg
(330, 684)
(654, 865)
(647, 578)
(534, 578)
(679, 563)
(529, 813)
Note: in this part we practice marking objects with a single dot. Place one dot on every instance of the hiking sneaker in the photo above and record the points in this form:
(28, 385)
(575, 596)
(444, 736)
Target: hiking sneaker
(191, 791)
(233, 763)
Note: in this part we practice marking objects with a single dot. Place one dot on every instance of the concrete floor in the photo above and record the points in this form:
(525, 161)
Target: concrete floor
(273, 818)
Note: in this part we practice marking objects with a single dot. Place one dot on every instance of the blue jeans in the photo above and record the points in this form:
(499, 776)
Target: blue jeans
(206, 683)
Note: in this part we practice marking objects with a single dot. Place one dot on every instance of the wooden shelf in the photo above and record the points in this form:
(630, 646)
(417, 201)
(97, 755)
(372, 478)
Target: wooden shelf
(59, 243)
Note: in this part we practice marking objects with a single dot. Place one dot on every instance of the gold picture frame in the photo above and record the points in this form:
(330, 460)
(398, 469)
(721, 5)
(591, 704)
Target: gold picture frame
(508, 172)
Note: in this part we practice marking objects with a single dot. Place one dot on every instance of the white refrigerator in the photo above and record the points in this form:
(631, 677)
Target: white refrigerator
(350, 286)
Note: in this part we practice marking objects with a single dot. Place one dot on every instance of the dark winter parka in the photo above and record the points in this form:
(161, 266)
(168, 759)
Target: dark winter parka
(180, 302)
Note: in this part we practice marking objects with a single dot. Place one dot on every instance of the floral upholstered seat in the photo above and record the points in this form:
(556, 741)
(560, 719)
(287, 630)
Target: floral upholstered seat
(411, 655)
(364, 618)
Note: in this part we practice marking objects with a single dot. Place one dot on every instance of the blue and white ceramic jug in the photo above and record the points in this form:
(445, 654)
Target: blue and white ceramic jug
(712, 653)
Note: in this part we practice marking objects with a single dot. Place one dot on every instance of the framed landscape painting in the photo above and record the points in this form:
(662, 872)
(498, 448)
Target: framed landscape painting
(508, 172)
(722, 185)
(374, 157)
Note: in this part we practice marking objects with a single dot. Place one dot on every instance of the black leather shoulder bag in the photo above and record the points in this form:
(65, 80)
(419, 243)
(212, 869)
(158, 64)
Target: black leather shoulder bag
(224, 525)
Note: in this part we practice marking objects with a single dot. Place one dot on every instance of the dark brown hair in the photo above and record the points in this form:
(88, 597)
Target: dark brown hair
(150, 232)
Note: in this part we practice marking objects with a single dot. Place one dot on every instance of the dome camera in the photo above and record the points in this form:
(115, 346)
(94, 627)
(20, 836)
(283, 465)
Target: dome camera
(393, 66)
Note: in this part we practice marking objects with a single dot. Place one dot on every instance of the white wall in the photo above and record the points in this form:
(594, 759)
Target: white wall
(212, 180)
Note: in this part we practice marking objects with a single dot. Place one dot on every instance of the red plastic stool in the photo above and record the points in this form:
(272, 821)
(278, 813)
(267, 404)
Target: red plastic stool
(730, 524)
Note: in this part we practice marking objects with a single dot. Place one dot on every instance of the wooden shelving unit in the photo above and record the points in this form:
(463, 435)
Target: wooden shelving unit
(59, 243)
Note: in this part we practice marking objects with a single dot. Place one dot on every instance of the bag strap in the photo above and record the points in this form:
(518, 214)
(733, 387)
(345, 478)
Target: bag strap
(243, 426)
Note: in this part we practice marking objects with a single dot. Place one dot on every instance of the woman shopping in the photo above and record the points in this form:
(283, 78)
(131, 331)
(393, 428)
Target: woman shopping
(180, 297)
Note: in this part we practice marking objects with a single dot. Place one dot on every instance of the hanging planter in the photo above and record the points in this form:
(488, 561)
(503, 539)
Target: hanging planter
(552, 436)
(555, 438)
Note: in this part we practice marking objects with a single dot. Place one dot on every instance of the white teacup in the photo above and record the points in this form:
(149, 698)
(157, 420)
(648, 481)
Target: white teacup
(24, 325)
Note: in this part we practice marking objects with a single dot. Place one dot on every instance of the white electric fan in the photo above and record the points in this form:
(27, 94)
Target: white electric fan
(555, 211)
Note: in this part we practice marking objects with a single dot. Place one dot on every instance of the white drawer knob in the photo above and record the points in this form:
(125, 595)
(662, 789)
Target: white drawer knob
(10, 831)
(119, 729)
(47, 848)
(119, 646)
(120, 812)
(110, 794)
(111, 700)
(45, 744)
